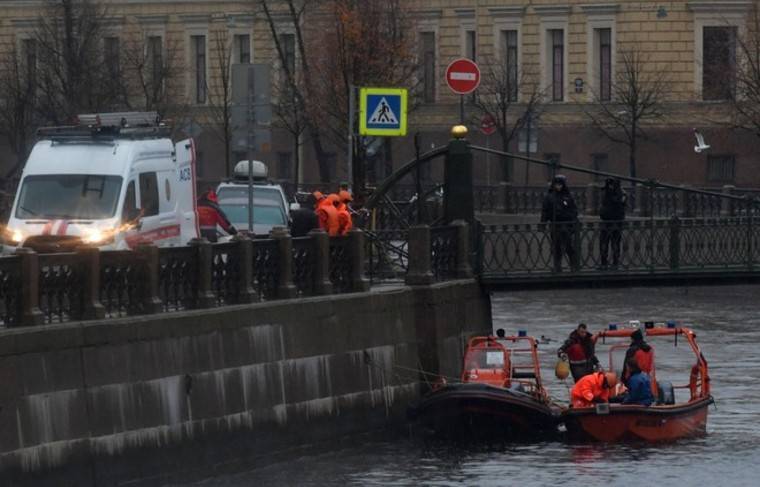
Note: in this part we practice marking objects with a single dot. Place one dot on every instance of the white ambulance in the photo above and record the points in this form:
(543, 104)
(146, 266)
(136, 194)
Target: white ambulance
(112, 181)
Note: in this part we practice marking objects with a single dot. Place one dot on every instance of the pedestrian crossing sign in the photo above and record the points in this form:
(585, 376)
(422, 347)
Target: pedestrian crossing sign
(382, 111)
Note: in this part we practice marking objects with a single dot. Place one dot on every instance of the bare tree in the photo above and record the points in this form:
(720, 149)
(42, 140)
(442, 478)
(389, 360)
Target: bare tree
(17, 104)
(746, 96)
(637, 99)
(70, 71)
(220, 94)
(499, 98)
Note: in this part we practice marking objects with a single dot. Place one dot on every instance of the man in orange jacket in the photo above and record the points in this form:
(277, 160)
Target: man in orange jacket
(327, 214)
(345, 223)
(593, 388)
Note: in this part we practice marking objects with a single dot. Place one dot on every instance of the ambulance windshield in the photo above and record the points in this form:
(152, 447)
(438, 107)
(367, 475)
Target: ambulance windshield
(68, 196)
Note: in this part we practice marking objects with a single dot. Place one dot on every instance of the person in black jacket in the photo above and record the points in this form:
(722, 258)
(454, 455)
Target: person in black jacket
(559, 209)
(612, 214)
(303, 220)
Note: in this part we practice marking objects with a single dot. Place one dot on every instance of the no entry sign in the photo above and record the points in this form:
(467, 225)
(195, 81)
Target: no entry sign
(487, 125)
(463, 76)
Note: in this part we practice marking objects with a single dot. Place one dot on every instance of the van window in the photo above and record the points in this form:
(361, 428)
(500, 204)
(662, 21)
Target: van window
(149, 193)
(130, 203)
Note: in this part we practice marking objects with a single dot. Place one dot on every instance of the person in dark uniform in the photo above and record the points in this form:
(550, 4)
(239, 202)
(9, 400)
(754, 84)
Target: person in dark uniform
(303, 219)
(559, 209)
(579, 350)
(210, 215)
(612, 214)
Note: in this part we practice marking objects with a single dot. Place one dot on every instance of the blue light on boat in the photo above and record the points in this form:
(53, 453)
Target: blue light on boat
(612, 326)
(521, 333)
(671, 324)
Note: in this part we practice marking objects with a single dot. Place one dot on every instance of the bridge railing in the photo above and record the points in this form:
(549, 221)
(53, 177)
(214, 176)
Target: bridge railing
(88, 284)
(645, 246)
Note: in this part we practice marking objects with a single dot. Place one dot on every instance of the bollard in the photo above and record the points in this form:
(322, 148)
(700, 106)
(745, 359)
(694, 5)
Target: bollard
(286, 289)
(30, 280)
(92, 309)
(419, 272)
(151, 301)
(464, 269)
(246, 291)
(322, 284)
(204, 256)
(359, 283)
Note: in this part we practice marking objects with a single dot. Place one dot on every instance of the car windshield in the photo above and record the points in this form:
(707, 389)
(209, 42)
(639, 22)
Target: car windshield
(236, 192)
(263, 215)
(87, 196)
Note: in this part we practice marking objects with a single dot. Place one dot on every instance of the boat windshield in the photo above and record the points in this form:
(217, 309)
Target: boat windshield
(485, 358)
(86, 196)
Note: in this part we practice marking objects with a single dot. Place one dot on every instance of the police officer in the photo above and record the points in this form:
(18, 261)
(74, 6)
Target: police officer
(559, 209)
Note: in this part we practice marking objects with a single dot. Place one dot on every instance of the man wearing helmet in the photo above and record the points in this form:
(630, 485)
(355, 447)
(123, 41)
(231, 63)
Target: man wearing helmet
(559, 209)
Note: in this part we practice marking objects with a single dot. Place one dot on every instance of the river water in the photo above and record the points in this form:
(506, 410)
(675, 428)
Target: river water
(727, 322)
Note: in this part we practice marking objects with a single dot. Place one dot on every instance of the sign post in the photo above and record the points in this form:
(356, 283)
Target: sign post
(488, 127)
(463, 77)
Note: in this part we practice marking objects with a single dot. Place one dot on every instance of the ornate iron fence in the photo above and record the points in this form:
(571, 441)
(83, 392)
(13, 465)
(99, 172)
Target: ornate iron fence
(304, 262)
(226, 273)
(266, 268)
(60, 287)
(387, 253)
(123, 275)
(10, 291)
(648, 246)
(178, 277)
(443, 252)
(340, 264)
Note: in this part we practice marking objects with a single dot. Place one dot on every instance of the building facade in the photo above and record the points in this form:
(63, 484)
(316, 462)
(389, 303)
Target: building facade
(563, 60)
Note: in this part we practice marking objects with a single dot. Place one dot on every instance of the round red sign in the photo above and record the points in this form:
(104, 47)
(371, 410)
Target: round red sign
(463, 76)
(487, 125)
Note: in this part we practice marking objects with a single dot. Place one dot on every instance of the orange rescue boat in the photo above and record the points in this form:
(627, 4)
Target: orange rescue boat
(667, 419)
(500, 394)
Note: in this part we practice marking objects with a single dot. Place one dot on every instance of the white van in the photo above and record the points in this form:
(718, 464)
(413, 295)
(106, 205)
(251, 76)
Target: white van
(113, 181)
(270, 205)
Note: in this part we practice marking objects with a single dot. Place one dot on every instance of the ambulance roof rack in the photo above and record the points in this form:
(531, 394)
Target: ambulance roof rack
(121, 125)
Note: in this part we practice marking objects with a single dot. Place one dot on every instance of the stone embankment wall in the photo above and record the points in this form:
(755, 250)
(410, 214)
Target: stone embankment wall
(135, 399)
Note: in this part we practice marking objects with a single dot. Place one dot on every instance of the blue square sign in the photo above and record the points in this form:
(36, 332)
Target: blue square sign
(383, 111)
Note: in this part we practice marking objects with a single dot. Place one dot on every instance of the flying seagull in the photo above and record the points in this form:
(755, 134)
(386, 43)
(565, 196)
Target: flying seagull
(700, 142)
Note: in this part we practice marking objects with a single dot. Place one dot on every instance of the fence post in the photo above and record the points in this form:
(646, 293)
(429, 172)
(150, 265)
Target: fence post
(419, 272)
(675, 243)
(152, 303)
(92, 309)
(639, 200)
(683, 206)
(30, 282)
(322, 284)
(726, 204)
(359, 283)
(502, 197)
(286, 289)
(247, 293)
(464, 269)
(204, 254)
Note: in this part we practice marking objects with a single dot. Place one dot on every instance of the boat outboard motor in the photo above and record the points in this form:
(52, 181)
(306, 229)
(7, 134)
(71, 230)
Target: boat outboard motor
(665, 394)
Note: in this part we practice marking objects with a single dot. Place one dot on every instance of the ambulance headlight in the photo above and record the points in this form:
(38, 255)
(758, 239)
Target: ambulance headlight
(97, 236)
(17, 236)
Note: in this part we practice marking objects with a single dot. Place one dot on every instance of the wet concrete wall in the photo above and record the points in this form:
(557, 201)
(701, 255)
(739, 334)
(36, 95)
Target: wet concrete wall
(135, 399)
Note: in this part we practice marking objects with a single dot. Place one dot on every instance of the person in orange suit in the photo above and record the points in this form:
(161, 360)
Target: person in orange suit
(327, 214)
(345, 222)
(593, 388)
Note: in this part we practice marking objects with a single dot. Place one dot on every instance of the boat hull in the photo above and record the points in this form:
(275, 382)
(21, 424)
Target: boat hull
(635, 423)
(474, 410)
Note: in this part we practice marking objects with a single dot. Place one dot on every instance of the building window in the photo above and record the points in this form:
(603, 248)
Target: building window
(510, 58)
(604, 37)
(198, 44)
(551, 170)
(155, 59)
(288, 46)
(427, 56)
(284, 165)
(29, 58)
(599, 162)
(721, 168)
(557, 37)
(470, 45)
(718, 63)
(243, 48)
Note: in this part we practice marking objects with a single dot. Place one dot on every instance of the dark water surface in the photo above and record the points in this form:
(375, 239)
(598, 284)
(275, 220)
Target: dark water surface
(727, 322)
